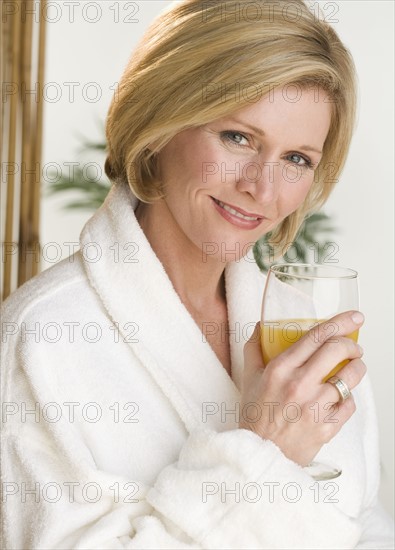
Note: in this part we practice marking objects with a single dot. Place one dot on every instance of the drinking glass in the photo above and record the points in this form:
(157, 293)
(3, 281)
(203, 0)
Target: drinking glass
(296, 298)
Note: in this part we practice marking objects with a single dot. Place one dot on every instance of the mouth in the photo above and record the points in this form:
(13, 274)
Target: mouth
(236, 216)
(242, 214)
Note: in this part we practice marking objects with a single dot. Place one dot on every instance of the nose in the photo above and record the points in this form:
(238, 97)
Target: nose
(262, 180)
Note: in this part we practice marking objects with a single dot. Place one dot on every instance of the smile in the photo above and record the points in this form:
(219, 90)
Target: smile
(236, 217)
(234, 212)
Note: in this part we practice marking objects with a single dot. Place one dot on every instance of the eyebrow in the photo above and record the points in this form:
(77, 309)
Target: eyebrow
(260, 132)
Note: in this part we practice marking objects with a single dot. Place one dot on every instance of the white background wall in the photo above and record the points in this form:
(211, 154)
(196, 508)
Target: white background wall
(82, 50)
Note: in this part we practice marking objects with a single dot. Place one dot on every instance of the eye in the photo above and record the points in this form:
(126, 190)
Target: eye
(296, 158)
(234, 138)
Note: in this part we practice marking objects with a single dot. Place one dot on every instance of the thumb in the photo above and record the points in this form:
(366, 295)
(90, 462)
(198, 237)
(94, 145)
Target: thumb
(252, 351)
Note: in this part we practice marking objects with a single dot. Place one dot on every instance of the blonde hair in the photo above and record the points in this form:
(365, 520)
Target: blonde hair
(194, 54)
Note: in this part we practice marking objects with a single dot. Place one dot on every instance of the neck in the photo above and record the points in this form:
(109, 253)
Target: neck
(198, 280)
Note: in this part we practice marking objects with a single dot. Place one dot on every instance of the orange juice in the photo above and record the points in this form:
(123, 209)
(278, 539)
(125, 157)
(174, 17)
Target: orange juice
(277, 336)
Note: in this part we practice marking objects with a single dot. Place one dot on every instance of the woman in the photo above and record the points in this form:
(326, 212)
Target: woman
(126, 368)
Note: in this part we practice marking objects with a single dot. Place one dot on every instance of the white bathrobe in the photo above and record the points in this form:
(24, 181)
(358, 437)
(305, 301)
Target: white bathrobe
(120, 423)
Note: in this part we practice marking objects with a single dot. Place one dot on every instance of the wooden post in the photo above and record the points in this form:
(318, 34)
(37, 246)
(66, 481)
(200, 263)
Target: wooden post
(27, 138)
(13, 87)
(36, 191)
(21, 131)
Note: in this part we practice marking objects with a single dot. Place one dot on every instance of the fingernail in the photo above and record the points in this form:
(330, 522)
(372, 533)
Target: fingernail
(360, 349)
(357, 317)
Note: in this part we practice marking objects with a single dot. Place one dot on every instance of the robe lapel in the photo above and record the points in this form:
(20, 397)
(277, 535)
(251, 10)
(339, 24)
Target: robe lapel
(134, 288)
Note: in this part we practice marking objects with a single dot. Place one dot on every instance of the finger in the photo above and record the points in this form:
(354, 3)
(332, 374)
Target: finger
(351, 374)
(337, 416)
(252, 351)
(340, 325)
(330, 354)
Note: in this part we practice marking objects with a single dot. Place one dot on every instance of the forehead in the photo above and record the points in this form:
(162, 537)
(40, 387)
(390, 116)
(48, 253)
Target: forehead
(289, 110)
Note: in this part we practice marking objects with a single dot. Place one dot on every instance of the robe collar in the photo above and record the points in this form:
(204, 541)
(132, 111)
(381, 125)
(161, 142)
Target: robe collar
(139, 297)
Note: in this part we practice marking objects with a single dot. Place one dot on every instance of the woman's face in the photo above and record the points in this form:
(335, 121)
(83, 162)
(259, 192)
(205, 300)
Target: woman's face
(263, 174)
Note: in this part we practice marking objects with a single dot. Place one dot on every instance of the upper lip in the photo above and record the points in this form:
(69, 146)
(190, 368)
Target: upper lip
(238, 209)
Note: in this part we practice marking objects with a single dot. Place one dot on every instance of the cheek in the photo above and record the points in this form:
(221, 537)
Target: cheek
(293, 195)
(183, 169)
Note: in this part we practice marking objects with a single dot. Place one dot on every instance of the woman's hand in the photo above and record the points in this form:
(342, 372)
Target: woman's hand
(286, 401)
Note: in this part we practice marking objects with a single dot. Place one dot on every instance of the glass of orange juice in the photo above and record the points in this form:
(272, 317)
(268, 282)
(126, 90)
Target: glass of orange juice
(296, 298)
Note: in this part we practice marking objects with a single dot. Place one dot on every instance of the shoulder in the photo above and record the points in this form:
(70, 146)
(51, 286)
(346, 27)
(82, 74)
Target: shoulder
(55, 289)
(48, 327)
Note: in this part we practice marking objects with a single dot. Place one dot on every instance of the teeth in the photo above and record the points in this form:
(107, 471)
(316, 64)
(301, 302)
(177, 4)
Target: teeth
(234, 212)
